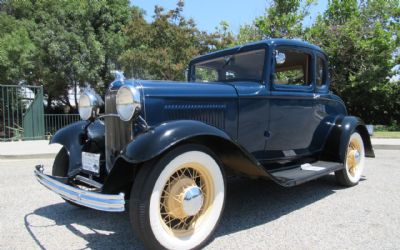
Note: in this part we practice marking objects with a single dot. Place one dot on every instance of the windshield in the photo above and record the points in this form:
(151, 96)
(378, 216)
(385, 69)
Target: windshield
(243, 66)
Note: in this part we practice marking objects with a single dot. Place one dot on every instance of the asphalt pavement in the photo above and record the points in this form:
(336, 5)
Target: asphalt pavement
(258, 214)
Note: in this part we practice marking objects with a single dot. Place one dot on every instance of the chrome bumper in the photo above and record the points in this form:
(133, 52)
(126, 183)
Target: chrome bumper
(98, 201)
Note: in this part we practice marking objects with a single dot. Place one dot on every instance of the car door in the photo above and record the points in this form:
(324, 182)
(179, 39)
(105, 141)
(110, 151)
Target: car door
(291, 119)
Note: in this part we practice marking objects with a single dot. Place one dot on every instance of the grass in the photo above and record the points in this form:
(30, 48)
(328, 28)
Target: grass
(386, 134)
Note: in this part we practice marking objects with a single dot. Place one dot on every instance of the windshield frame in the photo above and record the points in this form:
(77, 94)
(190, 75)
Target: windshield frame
(233, 51)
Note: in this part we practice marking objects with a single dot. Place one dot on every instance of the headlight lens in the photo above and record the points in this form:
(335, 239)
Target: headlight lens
(88, 105)
(127, 102)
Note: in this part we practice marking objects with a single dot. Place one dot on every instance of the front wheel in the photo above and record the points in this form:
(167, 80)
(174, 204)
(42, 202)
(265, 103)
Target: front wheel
(354, 162)
(177, 202)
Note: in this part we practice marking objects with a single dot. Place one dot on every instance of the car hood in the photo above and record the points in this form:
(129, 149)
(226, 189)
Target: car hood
(212, 103)
(185, 89)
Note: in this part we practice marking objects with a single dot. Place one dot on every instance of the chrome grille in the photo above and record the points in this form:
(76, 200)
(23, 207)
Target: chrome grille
(118, 132)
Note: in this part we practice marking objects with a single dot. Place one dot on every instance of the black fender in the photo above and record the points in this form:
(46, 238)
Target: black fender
(337, 142)
(160, 138)
(153, 143)
(74, 138)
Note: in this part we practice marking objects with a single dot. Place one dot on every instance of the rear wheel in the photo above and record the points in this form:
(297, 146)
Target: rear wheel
(354, 162)
(177, 202)
(60, 168)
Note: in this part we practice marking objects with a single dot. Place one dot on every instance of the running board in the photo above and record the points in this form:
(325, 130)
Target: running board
(305, 172)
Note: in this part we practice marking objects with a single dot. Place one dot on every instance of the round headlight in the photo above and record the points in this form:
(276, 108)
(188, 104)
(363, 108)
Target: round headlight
(88, 105)
(127, 102)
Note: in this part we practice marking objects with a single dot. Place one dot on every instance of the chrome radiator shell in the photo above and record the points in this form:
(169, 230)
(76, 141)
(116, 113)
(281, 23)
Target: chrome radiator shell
(118, 132)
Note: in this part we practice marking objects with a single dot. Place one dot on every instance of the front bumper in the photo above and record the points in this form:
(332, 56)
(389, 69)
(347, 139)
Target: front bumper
(98, 201)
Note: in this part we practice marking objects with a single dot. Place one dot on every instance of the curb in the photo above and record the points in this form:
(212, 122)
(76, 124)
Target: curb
(386, 147)
(28, 156)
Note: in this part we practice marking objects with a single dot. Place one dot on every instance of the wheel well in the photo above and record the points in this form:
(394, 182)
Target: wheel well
(231, 157)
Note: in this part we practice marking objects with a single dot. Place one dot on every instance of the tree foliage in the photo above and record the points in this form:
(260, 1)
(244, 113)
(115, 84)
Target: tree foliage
(162, 48)
(159, 49)
(16, 50)
(283, 18)
(66, 44)
(361, 40)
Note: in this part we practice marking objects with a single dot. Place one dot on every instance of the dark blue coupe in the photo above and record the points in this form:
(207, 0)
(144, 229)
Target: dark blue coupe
(262, 110)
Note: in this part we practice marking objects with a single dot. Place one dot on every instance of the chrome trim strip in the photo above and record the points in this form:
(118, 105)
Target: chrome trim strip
(98, 201)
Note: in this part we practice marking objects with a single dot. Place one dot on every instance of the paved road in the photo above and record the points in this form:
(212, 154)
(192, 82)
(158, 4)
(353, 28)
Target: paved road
(258, 214)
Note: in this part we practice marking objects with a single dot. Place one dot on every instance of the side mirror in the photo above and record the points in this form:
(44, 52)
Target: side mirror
(280, 57)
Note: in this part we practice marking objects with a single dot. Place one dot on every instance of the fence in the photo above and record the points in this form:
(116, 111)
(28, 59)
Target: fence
(54, 122)
(21, 112)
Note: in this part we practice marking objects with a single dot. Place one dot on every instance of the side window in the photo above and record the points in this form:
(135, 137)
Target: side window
(321, 72)
(292, 67)
(205, 74)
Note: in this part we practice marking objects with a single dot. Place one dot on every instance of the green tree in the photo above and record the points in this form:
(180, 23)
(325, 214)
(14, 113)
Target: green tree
(77, 42)
(248, 33)
(17, 50)
(361, 41)
(283, 19)
(221, 38)
(162, 48)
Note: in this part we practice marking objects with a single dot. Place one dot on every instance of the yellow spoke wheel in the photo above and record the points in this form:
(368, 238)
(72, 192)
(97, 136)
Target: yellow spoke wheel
(186, 197)
(353, 155)
(354, 162)
(177, 202)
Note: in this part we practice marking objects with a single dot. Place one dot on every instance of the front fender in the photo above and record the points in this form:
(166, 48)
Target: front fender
(73, 138)
(337, 142)
(158, 140)
(154, 142)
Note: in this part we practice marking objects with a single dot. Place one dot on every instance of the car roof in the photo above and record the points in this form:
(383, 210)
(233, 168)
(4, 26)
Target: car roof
(269, 42)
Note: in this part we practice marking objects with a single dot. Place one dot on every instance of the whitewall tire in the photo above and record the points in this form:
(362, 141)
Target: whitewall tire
(177, 202)
(354, 162)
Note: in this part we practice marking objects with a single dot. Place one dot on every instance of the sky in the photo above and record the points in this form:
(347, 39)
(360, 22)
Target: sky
(209, 13)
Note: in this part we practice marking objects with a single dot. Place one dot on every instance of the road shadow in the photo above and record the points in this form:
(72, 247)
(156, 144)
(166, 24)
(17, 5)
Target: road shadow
(249, 203)
(101, 230)
(255, 202)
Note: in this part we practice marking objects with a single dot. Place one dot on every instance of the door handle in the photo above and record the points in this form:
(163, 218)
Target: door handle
(316, 96)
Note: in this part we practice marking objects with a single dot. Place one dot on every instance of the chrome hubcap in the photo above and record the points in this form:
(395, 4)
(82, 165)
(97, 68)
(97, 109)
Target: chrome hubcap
(357, 156)
(192, 200)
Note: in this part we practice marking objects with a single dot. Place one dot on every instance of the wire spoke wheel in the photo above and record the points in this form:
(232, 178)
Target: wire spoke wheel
(178, 201)
(354, 162)
(186, 197)
(353, 156)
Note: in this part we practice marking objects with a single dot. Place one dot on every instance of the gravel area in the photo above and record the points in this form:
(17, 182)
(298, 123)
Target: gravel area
(258, 214)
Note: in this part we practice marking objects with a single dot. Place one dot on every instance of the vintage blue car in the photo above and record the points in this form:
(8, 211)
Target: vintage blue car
(262, 110)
